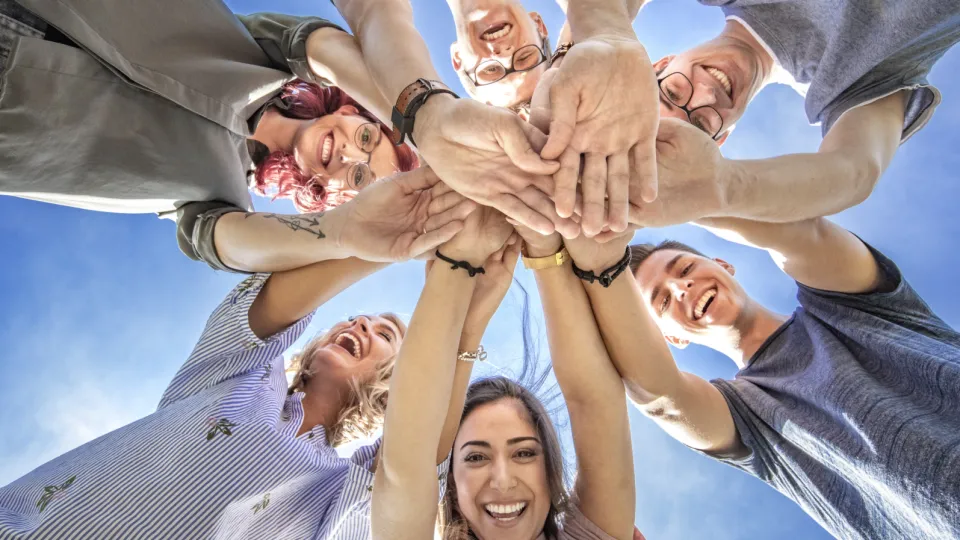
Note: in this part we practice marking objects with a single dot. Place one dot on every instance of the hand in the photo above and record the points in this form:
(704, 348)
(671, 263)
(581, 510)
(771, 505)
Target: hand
(391, 219)
(692, 173)
(589, 254)
(490, 288)
(484, 232)
(538, 245)
(604, 105)
(490, 156)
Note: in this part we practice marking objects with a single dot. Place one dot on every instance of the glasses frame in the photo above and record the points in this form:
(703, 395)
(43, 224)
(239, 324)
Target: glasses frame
(356, 140)
(684, 108)
(511, 70)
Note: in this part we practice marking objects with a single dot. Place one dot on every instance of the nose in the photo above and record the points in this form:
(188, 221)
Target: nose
(679, 288)
(362, 322)
(351, 153)
(502, 50)
(503, 479)
(703, 94)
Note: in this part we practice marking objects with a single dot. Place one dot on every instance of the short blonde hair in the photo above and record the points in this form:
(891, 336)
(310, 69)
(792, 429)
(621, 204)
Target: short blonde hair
(367, 403)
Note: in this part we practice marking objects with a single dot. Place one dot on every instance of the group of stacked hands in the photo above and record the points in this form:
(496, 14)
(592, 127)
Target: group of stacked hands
(850, 406)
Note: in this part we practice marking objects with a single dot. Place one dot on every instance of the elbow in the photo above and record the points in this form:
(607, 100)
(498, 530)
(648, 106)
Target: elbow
(860, 174)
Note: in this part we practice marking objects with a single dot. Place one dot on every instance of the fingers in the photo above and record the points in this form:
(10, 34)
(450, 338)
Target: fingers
(440, 189)
(563, 106)
(460, 212)
(517, 145)
(645, 168)
(565, 183)
(539, 202)
(594, 188)
(514, 208)
(618, 191)
(417, 179)
(431, 240)
(444, 202)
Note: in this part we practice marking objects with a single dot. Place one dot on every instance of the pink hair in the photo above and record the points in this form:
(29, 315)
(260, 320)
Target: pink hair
(280, 173)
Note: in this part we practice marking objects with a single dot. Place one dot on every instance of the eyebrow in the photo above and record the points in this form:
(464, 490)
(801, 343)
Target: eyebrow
(669, 268)
(510, 442)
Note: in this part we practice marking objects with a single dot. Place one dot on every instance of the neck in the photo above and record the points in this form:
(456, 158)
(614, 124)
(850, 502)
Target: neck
(756, 324)
(276, 131)
(737, 31)
(322, 403)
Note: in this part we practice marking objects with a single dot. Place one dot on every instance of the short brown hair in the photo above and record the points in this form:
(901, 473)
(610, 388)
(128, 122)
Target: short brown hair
(451, 523)
(641, 252)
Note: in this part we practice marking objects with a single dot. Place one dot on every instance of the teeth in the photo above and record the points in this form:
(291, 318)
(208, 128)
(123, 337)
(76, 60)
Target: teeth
(493, 36)
(722, 78)
(698, 311)
(505, 509)
(356, 344)
(327, 149)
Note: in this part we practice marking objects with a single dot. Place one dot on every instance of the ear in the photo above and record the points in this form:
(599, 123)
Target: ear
(679, 343)
(538, 22)
(726, 266)
(662, 63)
(455, 56)
(347, 110)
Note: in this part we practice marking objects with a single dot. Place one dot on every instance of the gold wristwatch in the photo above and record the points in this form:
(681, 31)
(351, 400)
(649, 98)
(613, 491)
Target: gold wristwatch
(539, 263)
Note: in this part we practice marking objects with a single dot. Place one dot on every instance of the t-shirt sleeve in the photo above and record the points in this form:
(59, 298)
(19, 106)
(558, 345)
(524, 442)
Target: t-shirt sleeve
(284, 39)
(195, 224)
(752, 433)
(894, 301)
(228, 347)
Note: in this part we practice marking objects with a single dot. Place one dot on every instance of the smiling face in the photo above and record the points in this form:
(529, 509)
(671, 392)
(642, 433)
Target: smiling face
(500, 473)
(692, 298)
(494, 30)
(345, 150)
(354, 348)
(725, 73)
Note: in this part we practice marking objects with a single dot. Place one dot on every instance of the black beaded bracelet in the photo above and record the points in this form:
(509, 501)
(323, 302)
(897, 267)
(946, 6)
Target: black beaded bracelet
(472, 270)
(607, 276)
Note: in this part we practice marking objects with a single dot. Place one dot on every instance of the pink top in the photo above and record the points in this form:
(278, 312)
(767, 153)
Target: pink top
(576, 526)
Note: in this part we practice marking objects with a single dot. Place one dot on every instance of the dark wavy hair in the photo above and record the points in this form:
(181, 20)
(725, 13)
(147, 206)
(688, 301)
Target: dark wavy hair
(278, 175)
(451, 523)
(641, 252)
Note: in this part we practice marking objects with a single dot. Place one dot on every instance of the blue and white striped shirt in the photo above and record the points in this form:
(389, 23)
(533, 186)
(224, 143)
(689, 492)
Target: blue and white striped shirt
(218, 459)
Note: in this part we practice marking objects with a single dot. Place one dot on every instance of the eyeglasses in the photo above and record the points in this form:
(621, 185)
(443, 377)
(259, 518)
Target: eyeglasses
(678, 90)
(367, 138)
(524, 59)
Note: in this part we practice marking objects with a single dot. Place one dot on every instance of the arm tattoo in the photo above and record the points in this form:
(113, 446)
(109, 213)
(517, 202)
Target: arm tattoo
(306, 222)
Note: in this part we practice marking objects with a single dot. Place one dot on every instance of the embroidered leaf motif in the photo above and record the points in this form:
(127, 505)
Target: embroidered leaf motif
(218, 426)
(262, 505)
(52, 493)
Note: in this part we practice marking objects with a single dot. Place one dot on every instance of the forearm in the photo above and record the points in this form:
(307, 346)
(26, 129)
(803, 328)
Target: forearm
(634, 341)
(265, 242)
(291, 295)
(796, 187)
(592, 18)
(393, 49)
(336, 56)
(405, 493)
(470, 340)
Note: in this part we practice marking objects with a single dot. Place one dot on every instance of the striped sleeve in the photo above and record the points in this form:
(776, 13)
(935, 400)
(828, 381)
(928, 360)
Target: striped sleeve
(228, 347)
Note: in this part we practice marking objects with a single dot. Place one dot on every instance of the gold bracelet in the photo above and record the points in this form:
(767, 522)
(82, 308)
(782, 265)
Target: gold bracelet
(550, 261)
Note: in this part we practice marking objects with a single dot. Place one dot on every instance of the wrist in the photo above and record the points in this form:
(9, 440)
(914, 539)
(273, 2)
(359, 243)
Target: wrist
(472, 259)
(732, 183)
(592, 19)
(532, 251)
(426, 117)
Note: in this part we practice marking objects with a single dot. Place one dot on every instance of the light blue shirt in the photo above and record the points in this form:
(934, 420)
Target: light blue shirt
(219, 458)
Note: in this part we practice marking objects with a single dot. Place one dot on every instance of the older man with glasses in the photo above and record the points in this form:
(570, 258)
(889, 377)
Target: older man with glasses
(862, 68)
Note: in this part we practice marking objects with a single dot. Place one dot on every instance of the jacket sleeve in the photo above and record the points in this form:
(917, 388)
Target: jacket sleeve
(195, 224)
(284, 39)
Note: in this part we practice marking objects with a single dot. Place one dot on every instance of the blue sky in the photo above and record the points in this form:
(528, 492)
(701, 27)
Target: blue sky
(97, 311)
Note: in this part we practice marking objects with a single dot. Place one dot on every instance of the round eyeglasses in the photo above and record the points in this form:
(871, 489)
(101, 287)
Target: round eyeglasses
(678, 91)
(524, 59)
(367, 138)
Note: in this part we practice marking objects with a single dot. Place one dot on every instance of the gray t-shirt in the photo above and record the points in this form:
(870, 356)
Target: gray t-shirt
(852, 409)
(853, 52)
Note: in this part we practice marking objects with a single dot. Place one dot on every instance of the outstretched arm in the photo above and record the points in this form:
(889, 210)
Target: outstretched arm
(594, 395)
(815, 252)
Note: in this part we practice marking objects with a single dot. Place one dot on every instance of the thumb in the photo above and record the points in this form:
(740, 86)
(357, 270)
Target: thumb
(417, 179)
(422, 243)
(516, 143)
(563, 107)
(670, 128)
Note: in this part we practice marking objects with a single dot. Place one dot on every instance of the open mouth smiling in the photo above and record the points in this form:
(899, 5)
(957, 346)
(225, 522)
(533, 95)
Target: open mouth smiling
(703, 304)
(326, 149)
(721, 77)
(350, 343)
(496, 31)
(505, 513)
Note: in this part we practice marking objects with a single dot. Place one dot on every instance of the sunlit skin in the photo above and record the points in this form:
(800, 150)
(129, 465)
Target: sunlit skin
(353, 349)
(498, 459)
(475, 19)
(328, 146)
(736, 53)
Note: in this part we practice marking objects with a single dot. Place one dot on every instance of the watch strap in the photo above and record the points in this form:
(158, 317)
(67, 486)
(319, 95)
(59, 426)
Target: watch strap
(550, 261)
(409, 102)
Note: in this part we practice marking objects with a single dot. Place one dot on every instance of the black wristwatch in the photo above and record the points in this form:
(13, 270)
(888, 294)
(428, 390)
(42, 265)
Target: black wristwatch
(411, 99)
